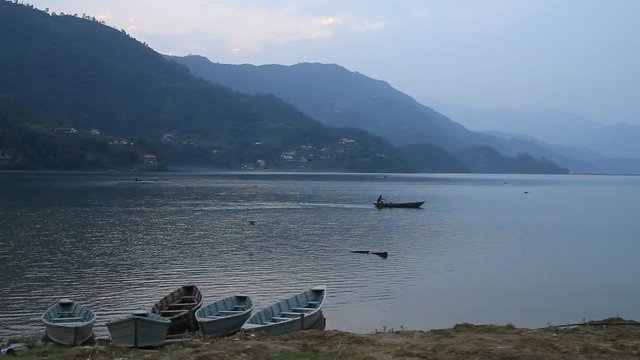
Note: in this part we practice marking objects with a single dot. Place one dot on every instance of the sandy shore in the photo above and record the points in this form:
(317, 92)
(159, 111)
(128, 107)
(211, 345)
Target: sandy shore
(602, 340)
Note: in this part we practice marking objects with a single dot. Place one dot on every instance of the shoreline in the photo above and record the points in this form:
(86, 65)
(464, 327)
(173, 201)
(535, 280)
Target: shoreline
(613, 338)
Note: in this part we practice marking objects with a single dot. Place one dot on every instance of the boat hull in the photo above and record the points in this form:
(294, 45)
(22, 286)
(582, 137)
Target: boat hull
(223, 327)
(407, 205)
(299, 312)
(70, 335)
(139, 332)
(224, 317)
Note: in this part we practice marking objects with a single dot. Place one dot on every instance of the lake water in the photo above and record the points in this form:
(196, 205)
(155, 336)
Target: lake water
(481, 250)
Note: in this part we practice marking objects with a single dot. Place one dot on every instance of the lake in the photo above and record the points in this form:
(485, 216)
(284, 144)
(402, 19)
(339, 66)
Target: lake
(530, 250)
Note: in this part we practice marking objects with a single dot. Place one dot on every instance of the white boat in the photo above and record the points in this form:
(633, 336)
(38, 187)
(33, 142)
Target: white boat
(224, 317)
(69, 323)
(299, 312)
(141, 329)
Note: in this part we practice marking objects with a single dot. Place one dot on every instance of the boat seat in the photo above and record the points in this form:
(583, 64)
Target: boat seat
(183, 304)
(313, 303)
(67, 320)
(173, 311)
(70, 323)
(278, 318)
(229, 312)
(213, 317)
(288, 313)
(239, 307)
(302, 309)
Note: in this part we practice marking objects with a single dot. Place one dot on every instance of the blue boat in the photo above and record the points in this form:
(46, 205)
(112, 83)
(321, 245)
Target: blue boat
(299, 312)
(69, 323)
(141, 329)
(224, 317)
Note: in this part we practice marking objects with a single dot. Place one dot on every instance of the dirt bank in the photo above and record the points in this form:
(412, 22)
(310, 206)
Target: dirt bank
(464, 341)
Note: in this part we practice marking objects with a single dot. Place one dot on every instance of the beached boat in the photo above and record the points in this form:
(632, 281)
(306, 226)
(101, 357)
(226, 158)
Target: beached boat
(224, 317)
(69, 323)
(180, 307)
(412, 205)
(298, 312)
(141, 329)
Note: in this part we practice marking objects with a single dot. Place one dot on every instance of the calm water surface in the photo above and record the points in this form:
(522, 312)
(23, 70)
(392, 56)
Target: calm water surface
(481, 250)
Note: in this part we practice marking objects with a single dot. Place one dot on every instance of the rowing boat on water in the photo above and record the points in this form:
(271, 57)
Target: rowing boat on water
(226, 316)
(180, 307)
(297, 312)
(412, 205)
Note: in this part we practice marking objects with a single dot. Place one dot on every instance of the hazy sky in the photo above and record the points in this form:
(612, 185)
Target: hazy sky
(575, 55)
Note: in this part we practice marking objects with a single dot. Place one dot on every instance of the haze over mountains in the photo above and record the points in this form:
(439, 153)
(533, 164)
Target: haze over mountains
(553, 126)
(340, 97)
(612, 147)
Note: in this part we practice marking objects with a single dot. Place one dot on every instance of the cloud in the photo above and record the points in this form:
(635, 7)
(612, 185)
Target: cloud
(332, 20)
(247, 25)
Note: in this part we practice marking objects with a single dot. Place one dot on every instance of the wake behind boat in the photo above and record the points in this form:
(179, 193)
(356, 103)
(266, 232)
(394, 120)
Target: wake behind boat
(299, 312)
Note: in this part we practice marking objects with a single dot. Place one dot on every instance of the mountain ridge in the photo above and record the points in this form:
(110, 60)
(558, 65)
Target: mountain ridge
(553, 127)
(337, 96)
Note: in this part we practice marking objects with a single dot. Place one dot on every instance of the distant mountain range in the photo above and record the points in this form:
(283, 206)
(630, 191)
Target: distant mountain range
(339, 97)
(336, 96)
(613, 148)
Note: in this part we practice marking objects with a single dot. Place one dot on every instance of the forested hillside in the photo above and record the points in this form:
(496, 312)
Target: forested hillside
(80, 74)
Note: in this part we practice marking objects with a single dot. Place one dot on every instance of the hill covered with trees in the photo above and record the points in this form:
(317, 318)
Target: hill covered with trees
(76, 73)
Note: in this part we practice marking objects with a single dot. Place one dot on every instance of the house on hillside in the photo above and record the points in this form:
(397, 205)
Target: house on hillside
(150, 158)
(288, 155)
(346, 141)
(65, 130)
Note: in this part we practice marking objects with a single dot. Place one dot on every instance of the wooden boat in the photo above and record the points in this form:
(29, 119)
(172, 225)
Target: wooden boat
(69, 323)
(140, 329)
(412, 205)
(180, 307)
(298, 312)
(226, 316)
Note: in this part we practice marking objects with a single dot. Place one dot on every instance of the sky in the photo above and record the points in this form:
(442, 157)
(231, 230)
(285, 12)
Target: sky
(581, 56)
